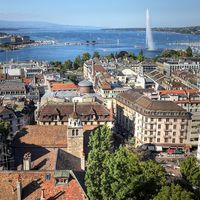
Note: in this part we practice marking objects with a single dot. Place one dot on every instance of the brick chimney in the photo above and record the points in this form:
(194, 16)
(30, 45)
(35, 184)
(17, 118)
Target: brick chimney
(27, 161)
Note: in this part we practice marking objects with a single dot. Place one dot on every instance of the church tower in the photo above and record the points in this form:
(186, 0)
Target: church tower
(75, 134)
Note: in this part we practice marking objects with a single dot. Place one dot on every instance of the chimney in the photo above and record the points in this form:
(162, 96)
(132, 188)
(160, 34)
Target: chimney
(27, 161)
(74, 109)
(42, 195)
(19, 189)
(83, 161)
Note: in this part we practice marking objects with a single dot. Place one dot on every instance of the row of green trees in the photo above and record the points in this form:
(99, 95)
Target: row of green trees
(79, 60)
(177, 53)
(123, 175)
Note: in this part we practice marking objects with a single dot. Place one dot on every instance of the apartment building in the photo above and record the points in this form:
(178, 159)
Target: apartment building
(162, 123)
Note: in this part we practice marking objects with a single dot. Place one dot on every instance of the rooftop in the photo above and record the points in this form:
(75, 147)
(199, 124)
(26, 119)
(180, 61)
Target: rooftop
(154, 105)
(33, 182)
(85, 83)
(63, 86)
(65, 109)
(38, 135)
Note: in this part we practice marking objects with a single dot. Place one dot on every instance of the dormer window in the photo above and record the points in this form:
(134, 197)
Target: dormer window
(61, 177)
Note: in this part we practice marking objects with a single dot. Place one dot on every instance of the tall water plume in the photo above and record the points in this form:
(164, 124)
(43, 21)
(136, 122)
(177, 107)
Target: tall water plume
(149, 37)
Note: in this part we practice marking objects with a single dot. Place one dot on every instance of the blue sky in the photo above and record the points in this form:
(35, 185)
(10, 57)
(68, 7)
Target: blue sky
(103, 13)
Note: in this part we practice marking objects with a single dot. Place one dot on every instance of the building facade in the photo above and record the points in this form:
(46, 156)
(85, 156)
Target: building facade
(151, 121)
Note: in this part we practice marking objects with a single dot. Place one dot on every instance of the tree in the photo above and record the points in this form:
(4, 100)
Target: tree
(189, 52)
(96, 55)
(173, 192)
(4, 129)
(86, 56)
(66, 66)
(190, 170)
(99, 144)
(72, 78)
(141, 55)
(110, 56)
(126, 177)
(132, 56)
(78, 62)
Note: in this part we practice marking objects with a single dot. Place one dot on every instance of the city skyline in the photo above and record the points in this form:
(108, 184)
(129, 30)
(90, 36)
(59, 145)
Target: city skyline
(119, 13)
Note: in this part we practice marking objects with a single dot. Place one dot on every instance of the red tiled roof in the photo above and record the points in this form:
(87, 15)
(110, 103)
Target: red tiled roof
(34, 182)
(64, 110)
(63, 86)
(105, 86)
(39, 135)
(190, 91)
(99, 68)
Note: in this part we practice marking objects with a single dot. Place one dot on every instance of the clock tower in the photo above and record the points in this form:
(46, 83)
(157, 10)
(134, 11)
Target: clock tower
(75, 134)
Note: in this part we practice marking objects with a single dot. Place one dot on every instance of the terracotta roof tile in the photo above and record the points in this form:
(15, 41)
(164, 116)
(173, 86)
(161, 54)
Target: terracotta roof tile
(63, 86)
(65, 109)
(46, 136)
(189, 91)
(34, 182)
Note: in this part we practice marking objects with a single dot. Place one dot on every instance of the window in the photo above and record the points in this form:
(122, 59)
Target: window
(159, 119)
(174, 127)
(73, 132)
(158, 139)
(174, 133)
(76, 132)
(173, 140)
(166, 139)
(182, 133)
(159, 126)
(175, 120)
(151, 140)
(167, 120)
(181, 140)
(182, 126)
(167, 126)
(151, 126)
(151, 119)
(145, 139)
(151, 132)
(158, 132)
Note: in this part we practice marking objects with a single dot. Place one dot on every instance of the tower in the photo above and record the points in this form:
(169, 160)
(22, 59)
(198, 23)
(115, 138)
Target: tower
(75, 134)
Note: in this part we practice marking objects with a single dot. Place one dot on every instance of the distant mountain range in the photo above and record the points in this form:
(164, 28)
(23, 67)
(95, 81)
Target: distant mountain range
(11, 25)
(195, 30)
(14, 25)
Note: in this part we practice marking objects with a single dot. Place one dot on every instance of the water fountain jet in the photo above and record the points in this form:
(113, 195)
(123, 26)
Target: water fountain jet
(149, 37)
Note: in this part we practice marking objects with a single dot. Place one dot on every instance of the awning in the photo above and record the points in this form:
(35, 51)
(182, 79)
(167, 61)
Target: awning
(151, 148)
(159, 148)
(178, 151)
(170, 151)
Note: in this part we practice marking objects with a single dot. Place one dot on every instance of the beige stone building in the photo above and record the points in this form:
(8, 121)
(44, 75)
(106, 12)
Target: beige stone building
(162, 123)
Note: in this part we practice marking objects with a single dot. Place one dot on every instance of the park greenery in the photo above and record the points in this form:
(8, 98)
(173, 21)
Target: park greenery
(190, 170)
(173, 192)
(121, 174)
(177, 53)
(78, 62)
